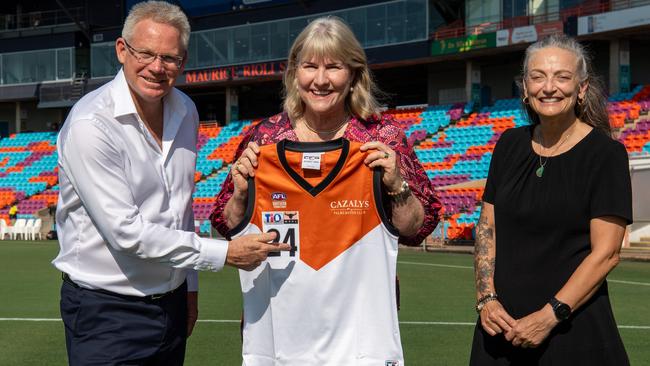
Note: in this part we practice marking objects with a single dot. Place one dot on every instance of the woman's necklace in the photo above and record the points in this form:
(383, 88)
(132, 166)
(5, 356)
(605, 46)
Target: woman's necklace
(333, 130)
(540, 171)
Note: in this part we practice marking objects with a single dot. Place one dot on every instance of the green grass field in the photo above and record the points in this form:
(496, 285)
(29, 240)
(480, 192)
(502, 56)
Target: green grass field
(437, 309)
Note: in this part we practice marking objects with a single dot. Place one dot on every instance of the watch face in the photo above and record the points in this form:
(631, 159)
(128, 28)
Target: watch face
(562, 311)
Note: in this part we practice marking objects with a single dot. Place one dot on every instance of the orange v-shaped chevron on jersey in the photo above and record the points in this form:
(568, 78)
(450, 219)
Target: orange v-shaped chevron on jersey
(336, 206)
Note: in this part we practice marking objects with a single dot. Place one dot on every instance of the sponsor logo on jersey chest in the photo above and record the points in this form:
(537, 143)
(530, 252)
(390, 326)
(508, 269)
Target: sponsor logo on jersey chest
(279, 199)
(349, 207)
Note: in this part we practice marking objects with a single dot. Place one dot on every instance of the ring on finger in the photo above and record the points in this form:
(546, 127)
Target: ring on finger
(386, 155)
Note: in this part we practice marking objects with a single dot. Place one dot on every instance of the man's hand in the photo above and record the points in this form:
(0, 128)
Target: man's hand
(192, 311)
(248, 251)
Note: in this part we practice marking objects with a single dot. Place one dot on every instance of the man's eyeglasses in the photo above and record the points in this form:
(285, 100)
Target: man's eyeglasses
(146, 57)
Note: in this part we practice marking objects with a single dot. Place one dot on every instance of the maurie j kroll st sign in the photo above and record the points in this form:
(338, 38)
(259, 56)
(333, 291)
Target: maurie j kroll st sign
(235, 72)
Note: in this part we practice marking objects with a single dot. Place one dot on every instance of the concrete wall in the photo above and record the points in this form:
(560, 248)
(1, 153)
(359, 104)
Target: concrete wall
(500, 77)
(449, 75)
(639, 56)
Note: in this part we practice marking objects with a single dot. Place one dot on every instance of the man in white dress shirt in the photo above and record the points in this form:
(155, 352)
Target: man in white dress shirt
(127, 155)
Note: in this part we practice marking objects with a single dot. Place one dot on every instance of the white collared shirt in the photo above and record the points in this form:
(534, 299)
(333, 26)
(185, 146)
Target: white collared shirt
(124, 216)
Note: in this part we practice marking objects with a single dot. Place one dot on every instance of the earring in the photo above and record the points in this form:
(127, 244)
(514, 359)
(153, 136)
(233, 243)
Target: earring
(351, 89)
(525, 100)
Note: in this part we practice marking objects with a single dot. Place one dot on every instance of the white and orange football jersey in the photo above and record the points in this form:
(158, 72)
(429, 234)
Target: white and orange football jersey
(331, 299)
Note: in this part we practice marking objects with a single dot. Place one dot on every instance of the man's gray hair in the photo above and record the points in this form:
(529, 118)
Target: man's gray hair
(160, 12)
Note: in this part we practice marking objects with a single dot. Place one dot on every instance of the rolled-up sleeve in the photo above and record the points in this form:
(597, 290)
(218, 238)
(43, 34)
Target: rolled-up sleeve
(414, 174)
(227, 189)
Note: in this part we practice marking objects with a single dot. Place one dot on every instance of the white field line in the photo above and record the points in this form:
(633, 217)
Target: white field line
(629, 282)
(238, 321)
(30, 319)
(435, 265)
(470, 267)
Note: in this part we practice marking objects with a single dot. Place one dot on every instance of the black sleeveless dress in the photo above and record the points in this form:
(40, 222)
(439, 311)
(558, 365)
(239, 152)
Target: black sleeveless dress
(542, 235)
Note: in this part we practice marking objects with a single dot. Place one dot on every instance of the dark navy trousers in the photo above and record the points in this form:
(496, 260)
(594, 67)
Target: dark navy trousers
(102, 328)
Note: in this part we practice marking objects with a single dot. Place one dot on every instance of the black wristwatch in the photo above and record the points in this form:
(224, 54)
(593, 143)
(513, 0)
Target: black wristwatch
(562, 311)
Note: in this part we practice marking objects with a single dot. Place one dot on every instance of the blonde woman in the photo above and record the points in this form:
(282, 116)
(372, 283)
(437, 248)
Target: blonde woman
(329, 100)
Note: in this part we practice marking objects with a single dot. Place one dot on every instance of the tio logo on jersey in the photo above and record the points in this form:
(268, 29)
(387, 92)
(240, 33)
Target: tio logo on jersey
(273, 217)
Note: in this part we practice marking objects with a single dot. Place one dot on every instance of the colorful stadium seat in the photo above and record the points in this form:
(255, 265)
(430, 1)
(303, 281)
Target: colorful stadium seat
(453, 142)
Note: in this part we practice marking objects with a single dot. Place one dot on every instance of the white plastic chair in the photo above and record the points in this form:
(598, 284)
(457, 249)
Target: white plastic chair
(36, 230)
(27, 229)
(18, 228)
(4, 229)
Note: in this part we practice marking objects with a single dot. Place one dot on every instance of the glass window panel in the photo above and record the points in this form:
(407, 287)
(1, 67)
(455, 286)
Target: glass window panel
(64, 64)
(260, 42)
(376, 26)
(508, 8)
(103, 60)
(553, 6)
(205, 50)
(416, 20)
(395, 22)
(12, 68)
(295, 27)
(521, 8)
(516, 8)
(483, 11)
(191, 52)
(45, 63)
(223, 54)
(241, 44)
(472, 12)
(357, 21)
(29, 67)
(279, 33)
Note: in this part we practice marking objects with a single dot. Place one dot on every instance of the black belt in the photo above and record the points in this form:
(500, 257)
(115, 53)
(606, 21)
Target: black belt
(154, 297)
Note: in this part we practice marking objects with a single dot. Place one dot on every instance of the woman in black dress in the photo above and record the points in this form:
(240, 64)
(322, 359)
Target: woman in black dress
(555, 207)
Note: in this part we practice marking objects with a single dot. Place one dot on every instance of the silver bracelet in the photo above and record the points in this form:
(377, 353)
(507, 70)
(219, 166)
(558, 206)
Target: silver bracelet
(484, 300)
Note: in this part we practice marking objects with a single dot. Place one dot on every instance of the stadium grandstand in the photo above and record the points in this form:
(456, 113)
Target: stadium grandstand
(448, 69)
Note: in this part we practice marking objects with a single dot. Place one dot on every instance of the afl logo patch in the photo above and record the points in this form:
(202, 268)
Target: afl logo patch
(279, 199)
(278, 196)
